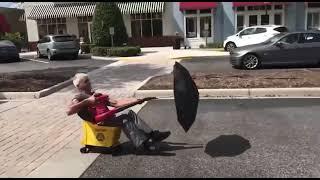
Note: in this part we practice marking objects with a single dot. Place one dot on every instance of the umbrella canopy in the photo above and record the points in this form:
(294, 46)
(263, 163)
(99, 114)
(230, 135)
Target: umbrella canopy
(186, 96)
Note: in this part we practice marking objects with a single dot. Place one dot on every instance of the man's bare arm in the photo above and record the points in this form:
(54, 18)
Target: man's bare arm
(76, 106)
(121, 102)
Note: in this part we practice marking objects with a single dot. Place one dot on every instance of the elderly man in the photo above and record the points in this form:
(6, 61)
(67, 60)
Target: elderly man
(140, 134)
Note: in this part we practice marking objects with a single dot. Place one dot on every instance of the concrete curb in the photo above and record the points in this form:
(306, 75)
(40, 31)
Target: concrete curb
(50, 90)
(238, 93)
(104, 58)
(35, 95)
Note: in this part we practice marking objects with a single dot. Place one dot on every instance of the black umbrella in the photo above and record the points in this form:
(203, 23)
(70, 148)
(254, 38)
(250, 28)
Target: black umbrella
(186, 96)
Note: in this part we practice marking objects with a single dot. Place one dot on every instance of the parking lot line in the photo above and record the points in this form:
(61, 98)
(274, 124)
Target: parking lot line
(37, 61)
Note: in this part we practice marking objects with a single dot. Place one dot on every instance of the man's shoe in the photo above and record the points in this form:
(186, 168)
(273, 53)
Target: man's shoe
(157, 136)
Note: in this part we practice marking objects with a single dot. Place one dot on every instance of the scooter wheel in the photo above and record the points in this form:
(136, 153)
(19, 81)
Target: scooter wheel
(84, 150)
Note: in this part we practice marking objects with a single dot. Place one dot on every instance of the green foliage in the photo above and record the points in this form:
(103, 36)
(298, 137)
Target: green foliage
(201, 46)
(86, 48)
(16, 38)
(106, 15)
(115, 51)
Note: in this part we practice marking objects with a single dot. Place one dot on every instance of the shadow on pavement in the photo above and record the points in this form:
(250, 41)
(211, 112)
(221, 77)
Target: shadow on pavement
(227, 145)
(127, 148)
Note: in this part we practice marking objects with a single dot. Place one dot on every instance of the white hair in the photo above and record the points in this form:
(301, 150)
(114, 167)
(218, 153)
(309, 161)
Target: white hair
(78, 78)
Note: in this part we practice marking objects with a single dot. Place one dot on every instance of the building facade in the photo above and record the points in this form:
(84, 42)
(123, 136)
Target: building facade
(12, 20)
(157, 23)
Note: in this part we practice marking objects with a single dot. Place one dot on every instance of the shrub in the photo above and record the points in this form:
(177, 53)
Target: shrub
(106, 15)
(201, 46)
(215, 45)
(16, 38)
(115, 51)
(86, 48)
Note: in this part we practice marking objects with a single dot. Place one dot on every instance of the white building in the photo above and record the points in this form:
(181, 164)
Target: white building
(156, 23)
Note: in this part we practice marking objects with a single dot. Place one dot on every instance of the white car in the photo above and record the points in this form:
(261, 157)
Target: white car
(252, 35)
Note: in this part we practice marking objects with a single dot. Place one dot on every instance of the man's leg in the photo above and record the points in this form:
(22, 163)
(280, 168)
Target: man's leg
(130, 129)
(155, 135)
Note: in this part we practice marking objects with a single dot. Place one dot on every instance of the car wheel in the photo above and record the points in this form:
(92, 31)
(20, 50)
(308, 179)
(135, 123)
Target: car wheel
(50, 56)
(18, 59)
(250, 61)
(230, 46)
(75, 56)
(39, 55)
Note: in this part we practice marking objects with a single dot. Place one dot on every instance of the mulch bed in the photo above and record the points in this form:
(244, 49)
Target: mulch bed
(32, 81)
(248, 79)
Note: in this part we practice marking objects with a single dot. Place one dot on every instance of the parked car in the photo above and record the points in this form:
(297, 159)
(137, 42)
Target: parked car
(282, 49)
(8, 52)
(252, 35)
(58, 45)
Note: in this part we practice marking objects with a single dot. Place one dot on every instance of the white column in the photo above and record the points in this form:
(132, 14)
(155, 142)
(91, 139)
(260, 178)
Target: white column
(198, 24)
(127, 23)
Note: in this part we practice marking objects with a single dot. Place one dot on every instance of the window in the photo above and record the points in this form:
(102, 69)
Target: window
(260, 30)
(257, 8)
(313, 21)
(146, 28)
(146, 25)
(265, 19)
(84, 27)
(277, 19)
(51, 26)
(241, 8)
(63, 38)
(240, 22)
(310, 38)
(205, 26)
(279, 6)
(191, 11)
(313, 5)
(157, 27)
(281, 29)
(191, 27)
(248, 31)
(290, 39)
(205, 11)
(253, 20)
(136, 28)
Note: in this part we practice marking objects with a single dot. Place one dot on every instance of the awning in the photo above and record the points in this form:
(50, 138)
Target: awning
(197, 5)
(140, 7)
(87, 9)
(237, 4)
(44, 11)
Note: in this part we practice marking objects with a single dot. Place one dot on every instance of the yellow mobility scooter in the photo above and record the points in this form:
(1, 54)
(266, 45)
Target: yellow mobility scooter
(102, 139)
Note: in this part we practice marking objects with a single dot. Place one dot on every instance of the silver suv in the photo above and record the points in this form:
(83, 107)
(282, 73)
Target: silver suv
(58, 45)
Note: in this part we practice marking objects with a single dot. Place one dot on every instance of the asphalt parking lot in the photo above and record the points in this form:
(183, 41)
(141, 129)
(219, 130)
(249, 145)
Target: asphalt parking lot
(29, 63)
(220, 64)
(239, 138)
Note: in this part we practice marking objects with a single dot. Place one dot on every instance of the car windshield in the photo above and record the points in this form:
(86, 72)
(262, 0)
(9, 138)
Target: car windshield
(63, 38)
(274, 38)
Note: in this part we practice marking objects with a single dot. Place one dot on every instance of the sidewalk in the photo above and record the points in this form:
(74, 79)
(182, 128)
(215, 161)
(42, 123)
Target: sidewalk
(37, 139)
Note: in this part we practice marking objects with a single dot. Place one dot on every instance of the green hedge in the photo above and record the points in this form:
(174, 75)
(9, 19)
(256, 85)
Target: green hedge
(86, 48)
(116, 51)
(16, 38)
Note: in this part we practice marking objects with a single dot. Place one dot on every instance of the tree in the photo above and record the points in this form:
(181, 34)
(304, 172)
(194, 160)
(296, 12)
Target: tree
(106, 15)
